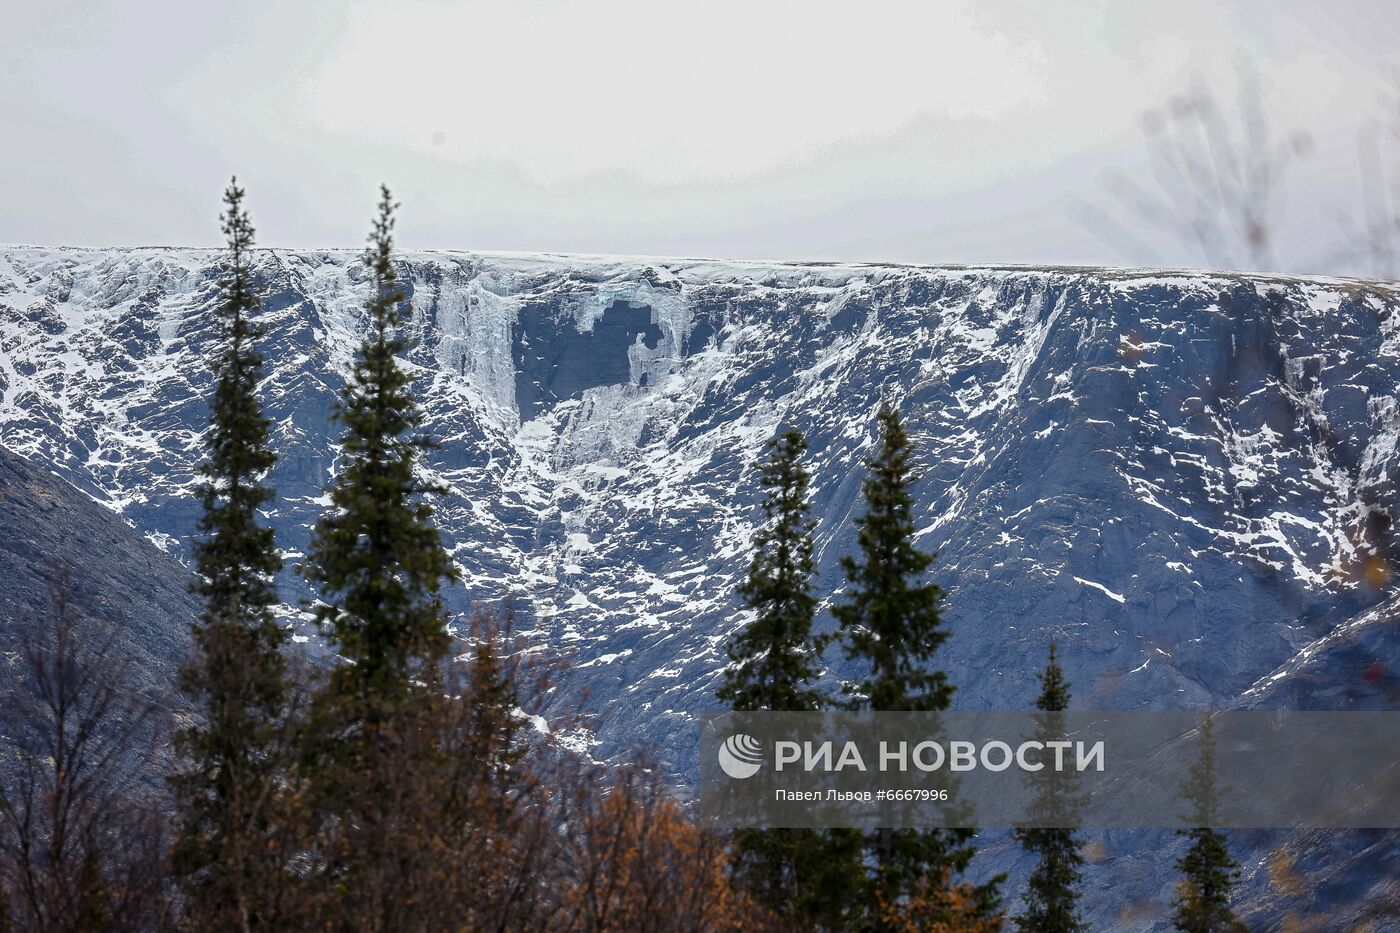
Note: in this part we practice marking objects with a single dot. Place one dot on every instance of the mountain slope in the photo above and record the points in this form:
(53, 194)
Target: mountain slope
(1186, 479)
(115, 575)
(1186, 473)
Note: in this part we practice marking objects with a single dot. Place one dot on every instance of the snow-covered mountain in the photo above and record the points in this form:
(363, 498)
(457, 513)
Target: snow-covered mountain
(1185, 479)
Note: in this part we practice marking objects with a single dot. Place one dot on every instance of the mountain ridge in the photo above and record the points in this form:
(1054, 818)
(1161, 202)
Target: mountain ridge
(564, 257)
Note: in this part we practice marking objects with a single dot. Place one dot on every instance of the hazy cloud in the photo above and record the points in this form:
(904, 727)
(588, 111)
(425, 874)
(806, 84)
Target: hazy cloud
(929, 132)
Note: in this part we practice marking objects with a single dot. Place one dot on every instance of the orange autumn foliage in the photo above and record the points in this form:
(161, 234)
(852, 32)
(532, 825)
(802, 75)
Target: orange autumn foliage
(939, 907)
(640, 866)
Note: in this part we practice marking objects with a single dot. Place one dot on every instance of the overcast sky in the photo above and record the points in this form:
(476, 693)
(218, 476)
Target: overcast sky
(925, 131)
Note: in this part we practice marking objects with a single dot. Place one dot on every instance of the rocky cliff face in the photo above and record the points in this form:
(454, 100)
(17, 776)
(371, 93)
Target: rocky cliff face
(114, 576)
(1186, 480)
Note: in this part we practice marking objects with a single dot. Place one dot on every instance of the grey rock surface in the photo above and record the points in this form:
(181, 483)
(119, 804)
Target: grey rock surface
(1186, 479)
(115, 575)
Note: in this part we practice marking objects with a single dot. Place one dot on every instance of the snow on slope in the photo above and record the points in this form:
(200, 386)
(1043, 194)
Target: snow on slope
(1179, 476)
(1186, 479)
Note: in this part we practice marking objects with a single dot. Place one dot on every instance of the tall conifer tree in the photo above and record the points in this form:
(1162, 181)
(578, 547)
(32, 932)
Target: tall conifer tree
(1051, 898)
(236, 753)
(773, 659)
(890, 625)
(1209, 874)
(377, 557)
(803, 876)
(374, 762)
(890, 622)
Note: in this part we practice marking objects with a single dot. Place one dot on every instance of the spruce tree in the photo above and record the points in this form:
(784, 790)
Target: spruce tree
(773, 659)
(376, 557)
(890, 626)
(804, 876)
(890, 622)
(237, 677)
(373, 760)
(1208, 872)
(1051, 899)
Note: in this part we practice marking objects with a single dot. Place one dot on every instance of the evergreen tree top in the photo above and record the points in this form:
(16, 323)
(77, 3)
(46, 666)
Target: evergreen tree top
(891, 619)
(378, 557)
(1051, 898)
(236, 558)
(239, 235)
(1200, 787)
(1209, 874)
(379, 259)
(773, 658)
(1054, 689)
